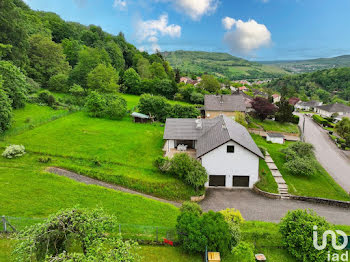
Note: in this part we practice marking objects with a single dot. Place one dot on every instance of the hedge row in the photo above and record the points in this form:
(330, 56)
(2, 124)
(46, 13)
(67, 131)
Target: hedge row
(322, 121)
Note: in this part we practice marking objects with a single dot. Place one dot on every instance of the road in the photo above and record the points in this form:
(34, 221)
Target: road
(327, 153)
(255, 207)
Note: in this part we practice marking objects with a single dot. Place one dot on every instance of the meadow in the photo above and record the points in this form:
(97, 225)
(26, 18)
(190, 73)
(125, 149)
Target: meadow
(270, 125)
(320, 184)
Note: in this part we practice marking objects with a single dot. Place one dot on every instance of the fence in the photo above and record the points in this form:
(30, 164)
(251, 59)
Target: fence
(127, 231)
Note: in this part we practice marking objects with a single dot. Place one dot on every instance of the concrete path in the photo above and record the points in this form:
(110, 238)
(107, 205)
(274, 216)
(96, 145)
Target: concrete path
(327, 153)
(91, 181)
(281, 183)
(256, 207)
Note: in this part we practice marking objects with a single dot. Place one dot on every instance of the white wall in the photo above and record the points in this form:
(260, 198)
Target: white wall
(275, 140)
(240, 163)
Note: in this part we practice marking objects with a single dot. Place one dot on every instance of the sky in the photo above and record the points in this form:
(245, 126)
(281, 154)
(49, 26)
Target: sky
(251, 29)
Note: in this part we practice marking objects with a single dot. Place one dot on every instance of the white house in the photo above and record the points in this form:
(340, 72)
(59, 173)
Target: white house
(329, 110)
(224, 147)
(275, 138)
(276, 98)
(307, 106)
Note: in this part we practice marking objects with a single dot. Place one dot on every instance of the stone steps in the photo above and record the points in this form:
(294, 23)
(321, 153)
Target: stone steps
(272, 166)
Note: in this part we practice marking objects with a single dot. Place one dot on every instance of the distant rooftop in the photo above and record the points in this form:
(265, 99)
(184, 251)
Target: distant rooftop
(275, 135)
(334, 108)
(228, 103)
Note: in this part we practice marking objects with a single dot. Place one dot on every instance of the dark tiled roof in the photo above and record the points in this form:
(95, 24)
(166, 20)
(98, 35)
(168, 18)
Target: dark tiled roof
(309, 103)
(228, 103)
(214, 133)
(334, 108)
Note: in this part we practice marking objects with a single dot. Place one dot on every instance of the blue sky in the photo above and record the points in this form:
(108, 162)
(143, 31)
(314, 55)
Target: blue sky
(252, 29)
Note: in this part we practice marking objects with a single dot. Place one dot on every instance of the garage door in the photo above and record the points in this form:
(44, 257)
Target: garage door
(217, 180)
(240, 181)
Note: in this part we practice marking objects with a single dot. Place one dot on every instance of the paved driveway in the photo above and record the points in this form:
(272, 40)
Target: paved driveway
(256, 207)
(327, 153)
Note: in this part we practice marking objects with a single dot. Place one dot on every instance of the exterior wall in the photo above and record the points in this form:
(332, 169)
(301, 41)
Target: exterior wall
(170, 144)
(213, 114)
(240, 163)
(324, 113)
(275, 140)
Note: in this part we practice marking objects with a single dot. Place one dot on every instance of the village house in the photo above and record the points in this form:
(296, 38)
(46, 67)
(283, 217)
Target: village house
(228, 105)
(224, 148)
(243, 88)
(293, 101)
(276, 98)
(307, 106)
(331, 109)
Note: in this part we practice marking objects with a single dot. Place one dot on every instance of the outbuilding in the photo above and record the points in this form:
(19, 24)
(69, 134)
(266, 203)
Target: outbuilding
(141, 118)
(275, 138)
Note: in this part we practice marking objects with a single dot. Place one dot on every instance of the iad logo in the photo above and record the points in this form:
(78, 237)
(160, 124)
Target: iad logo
(335, 256)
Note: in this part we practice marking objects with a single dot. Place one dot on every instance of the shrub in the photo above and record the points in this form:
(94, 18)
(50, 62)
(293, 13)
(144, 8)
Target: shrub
(5, 111)
(189, 170)
(14, 151)
(302, 149)
(232, 215)
(77, 90)
(197, 98)
(243, 252)
(300, 166)
(44, 159)
(240, 118)
(95, 104)
(191, 207)
(295, 119)
(47, 98)
(115, 107)
(180, 111)
(58, 83)
(162, 163)
(297, 232)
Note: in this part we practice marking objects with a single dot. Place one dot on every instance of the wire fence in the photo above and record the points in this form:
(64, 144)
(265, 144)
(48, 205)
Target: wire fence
(127, 231)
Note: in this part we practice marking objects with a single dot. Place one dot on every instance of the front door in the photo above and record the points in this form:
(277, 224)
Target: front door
(240, 181)
(217, 181)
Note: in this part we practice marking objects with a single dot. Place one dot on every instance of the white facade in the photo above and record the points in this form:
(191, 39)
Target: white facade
(275, 140)
(242, 162)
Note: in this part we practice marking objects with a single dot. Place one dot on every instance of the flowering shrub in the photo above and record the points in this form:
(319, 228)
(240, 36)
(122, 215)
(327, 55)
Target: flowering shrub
(14, 151)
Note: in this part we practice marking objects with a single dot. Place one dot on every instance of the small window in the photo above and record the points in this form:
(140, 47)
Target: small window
(230, 149)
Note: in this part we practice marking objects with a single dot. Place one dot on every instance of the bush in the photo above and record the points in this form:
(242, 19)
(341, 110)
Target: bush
(189, 170)
(320, 120)
(44, 159)
(302, 149)
(297, 232)
(95, 104)
(243, 252)
(300, 166)
(47, 98)
(5, 111)
(295, 119)
(197, 98)
(162, 163)
(191, 207)
(180, 111)
(58, 83)
(14, 151)
(232, 215)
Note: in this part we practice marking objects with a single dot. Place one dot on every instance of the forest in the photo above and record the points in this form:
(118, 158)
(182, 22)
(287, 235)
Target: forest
(328, 86)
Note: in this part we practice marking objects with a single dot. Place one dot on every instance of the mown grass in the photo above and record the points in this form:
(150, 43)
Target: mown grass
(267, 182)
(119, 152)
(30, 192)
(320, 184)
(270, 125)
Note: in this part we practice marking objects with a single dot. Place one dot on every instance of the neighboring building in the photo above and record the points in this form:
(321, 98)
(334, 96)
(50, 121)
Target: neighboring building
(261, 94)
(307, 106)
(224, 147)
(275, 138)
(215, 105)
(185, 79)
(339, 118)
(243, 88)
(329, 110)
(276, 98)
(141, 118)
(293, 100)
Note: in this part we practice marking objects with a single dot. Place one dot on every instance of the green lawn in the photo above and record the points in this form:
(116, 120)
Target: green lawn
(267, 182)
(119, 152)
(321, 184)
(270, 125)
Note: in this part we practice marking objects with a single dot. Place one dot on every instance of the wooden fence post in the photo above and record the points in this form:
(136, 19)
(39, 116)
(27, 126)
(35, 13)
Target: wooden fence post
(4, 224)
(157, 234)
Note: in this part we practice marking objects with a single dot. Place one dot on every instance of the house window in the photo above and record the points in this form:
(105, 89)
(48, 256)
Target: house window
(230, 149)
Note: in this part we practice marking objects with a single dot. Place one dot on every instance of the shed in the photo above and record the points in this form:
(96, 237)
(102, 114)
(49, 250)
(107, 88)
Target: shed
(275, 138)
(214, 257)
(141, 118)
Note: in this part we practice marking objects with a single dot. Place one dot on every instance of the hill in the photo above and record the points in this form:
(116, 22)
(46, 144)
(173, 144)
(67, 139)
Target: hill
(305, 66)
(221, 65)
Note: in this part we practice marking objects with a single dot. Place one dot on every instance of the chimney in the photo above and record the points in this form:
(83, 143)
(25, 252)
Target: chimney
(199, 124)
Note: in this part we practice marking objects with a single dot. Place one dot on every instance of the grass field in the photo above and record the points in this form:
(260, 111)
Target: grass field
(267, 182)
(270, 125)
(119, 152)
(321, 184)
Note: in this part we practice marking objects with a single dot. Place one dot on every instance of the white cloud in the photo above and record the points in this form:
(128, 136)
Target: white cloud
(150, 31)
(194, 8)
(228, 22)
(247, 37)
(120, 4)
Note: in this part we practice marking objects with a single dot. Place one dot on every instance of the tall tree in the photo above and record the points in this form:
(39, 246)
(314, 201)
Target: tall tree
(210, 83)
(143, 68)
(116, 55)
(158, 71)
(5, 109)
(46, 59)
(285, 111)
(13, 32)
(71, 49)
(132, 81)
(103, 79)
